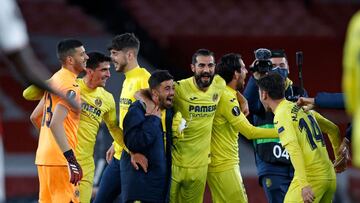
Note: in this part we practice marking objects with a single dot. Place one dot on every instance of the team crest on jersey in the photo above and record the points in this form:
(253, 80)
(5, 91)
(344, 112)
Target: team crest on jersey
(215, 97)
(71, 94)
(98, 102)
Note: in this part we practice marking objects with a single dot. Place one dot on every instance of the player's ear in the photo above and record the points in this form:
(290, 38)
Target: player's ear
(236, 75)
(88, 71)
(192, 68)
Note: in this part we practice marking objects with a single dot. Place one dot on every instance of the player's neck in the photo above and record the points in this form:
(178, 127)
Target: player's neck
(274, 104)
(88, 83)
(131, 65)
(71, 69)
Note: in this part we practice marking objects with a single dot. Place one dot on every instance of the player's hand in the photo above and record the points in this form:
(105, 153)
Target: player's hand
(340, 164)
(244, 106)
(110, 153)
(306, 103)
(74, 167)
(137, 158)
(307, 194)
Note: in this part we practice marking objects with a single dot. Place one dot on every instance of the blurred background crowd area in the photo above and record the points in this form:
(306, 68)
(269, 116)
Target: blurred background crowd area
(170, 31)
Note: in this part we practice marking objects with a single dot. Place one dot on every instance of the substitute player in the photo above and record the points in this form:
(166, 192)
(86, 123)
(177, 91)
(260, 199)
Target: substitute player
(300, 133)
(55, 159)
(196, 98)
(97, 105)
(228, 122)
(124, 50)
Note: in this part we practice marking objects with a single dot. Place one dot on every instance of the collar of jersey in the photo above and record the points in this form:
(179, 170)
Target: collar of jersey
(83, 85)
(68, 72)
(231, 90)
(283, 102)
(133, 72)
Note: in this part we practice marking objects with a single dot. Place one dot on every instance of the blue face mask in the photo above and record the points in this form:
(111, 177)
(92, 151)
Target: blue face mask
(281, 71)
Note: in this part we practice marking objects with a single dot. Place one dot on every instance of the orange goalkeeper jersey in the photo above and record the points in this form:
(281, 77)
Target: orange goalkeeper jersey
(48, 151)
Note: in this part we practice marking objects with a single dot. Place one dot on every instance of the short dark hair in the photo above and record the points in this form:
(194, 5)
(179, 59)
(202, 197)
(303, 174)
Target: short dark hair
(66, 48)
(227, 66)
(201, 52)
(159, 76)
(125, 41)
(95, 58)
(278, 53)
(273, 84)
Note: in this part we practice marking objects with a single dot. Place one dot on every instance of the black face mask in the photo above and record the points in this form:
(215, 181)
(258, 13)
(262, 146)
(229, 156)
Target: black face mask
(281, 71)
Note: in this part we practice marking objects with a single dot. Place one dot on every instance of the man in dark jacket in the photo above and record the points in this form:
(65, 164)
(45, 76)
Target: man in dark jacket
(272, 160)
(147, 130)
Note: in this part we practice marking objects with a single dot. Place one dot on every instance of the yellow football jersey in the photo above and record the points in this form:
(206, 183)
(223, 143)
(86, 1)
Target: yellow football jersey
(96, 105)
(300, 133)
(198, 109)
(228, 122)
(135, 79)
(351, 81)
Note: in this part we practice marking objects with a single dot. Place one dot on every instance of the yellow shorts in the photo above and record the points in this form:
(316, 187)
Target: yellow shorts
(227, 186)
(187, 184)
(324, 191)
(55, 185)
(86, 183)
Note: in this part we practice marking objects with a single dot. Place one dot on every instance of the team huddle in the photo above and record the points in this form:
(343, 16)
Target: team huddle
(174, 137)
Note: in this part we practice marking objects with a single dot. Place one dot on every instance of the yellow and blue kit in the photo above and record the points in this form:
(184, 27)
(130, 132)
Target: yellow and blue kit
(301, 134)
(191, 155)
(135, 79)
(224, 177)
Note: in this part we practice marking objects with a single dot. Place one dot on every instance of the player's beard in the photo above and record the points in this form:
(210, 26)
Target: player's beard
(240, 85)
(202, 84)
(121, 67)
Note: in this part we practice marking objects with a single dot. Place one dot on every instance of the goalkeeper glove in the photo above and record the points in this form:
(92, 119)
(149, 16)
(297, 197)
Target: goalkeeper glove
(74, 167)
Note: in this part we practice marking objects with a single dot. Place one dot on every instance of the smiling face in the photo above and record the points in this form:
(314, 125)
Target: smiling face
(78, 59)
(165, 93)
(119, 59)
(99, 76)
(204, 71)
(242, 75)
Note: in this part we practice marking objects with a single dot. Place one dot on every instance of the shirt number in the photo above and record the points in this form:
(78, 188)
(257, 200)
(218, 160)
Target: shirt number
(47, 116)
(312, 133)
(279, 153)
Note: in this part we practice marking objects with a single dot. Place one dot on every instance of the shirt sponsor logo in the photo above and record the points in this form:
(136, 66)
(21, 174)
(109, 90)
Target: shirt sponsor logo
(199, 108)
(202, 111)
(90, 110)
